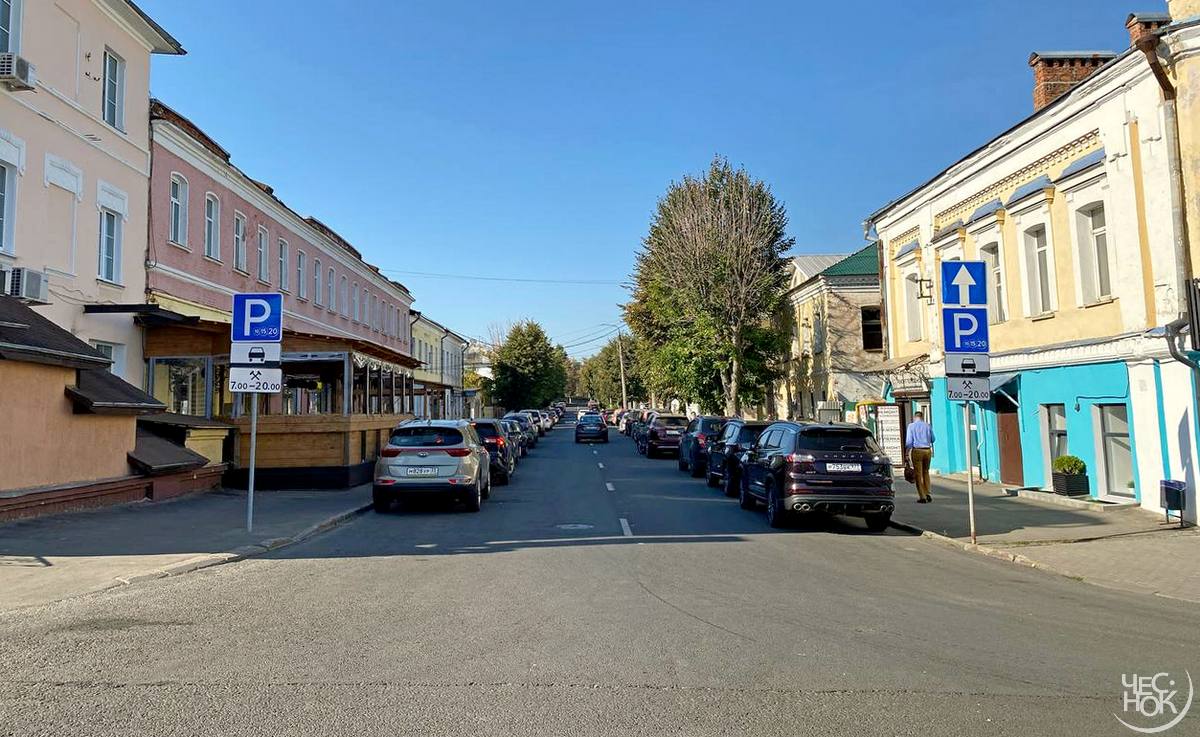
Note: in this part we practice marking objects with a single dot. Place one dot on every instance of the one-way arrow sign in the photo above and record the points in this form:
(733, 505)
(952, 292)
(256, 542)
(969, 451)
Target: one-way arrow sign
(964, 283)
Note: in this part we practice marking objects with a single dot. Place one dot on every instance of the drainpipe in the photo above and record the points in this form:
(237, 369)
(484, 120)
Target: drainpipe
(1149, 45)
(1173, 329)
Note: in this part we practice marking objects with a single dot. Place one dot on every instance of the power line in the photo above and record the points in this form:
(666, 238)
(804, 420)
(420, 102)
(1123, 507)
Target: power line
(519, 280)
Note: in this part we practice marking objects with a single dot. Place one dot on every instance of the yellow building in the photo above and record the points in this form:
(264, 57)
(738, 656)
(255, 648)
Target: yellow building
(439, 379)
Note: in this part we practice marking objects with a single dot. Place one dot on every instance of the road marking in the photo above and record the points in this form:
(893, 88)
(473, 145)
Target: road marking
(625, 528)
(595, 452)
(601, 465)
(609, 486)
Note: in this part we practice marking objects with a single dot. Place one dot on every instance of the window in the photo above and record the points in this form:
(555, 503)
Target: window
(872, 329)
(366, 315)
(1039, 271)
(387, 326)
(212, 227)
(354, 299)
(114, 352)
(1118, 452)
(331, 285)
(283, 264)
(995, 284)
(114, 90)
(1096, 280)
(9, 13)
(912, 305)
(301, 276)
(239, 241)
(179, 210)
(373, 316)
(317, 281)
(110, 246)
(264, 248)
(5, 245)
(1056, 430)
(345, 299)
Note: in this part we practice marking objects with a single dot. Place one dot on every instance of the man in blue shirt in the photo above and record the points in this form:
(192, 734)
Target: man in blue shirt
(919, 442)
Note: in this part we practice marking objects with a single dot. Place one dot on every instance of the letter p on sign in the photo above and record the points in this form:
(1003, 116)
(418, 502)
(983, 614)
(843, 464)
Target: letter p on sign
(257, 318)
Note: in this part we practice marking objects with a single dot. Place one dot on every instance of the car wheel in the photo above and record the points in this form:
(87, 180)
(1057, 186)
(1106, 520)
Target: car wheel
(681, 463)
(776, 517)
(878, 522)
(695, 469)
(711, 481)
(381, 503)
(474, 502)
(745, 501)
(502, 479)
(732, 487)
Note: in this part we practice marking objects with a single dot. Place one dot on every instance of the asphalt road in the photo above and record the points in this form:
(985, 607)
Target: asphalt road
(545, 615)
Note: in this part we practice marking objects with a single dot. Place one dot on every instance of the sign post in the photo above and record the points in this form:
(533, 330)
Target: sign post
(255, 363)
(967, 345)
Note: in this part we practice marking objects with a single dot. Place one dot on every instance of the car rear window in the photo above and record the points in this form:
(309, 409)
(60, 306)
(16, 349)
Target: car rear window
(710, 425)
(485, 429)
(671, 421)
(750, 434)
(411, 437)
(590, 420)
(848, 439)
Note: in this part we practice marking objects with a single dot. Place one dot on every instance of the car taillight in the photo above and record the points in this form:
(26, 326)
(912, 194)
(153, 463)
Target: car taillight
(458, 452)
(701, 440)
(500, 442)
(803, 462)
(389, 452)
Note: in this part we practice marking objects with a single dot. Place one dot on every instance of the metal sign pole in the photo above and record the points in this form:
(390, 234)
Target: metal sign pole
(970, 468)
(253, 446)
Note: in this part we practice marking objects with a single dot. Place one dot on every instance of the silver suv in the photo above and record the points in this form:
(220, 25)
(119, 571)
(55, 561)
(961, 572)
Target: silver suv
(434, 459)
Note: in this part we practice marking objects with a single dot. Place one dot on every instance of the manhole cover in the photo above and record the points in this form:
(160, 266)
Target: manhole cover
(574, 526)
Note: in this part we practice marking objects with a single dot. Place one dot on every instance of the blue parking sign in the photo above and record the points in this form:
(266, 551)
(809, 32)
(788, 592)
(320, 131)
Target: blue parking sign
(964, 283)
(257, 318)
(965, 329)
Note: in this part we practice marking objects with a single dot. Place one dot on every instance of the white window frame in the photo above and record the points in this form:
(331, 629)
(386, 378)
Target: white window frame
(239, 242)
(101, 254)
(115, 353)
(997, 291)
(318, 287)
(212, 226)
(301, 275)
(354, 302)
(110, 199)
(1027, 220)
(177, 214)
(281, 246)
(14, 27)
(62, 174)
(910, 271)
(118, 120)
(331, 290)
(1088, 193)
(344, 297)
(264, 255)
(366, 297)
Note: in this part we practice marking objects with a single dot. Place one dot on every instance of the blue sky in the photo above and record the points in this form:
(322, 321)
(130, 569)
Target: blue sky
(532, 139)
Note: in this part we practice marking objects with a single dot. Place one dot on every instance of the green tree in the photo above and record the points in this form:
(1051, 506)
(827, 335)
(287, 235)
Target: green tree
(527, 370)
(707, 280)
(600, 375)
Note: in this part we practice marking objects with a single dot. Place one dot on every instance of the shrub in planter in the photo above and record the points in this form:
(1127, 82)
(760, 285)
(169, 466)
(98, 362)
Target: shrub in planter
(1069, 476)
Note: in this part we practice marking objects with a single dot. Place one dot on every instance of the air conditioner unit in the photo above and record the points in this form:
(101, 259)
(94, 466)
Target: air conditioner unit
(27, 285)
(17, 72)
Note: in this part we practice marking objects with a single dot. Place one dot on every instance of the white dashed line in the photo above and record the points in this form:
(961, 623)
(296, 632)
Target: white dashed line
(601, 465)
(595, 452)
(625, 528)
(609, 486)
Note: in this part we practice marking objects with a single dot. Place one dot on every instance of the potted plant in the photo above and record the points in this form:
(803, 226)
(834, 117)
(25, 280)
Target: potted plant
(1069, 476)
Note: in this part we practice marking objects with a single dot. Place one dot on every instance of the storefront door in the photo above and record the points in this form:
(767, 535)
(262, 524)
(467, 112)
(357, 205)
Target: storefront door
(1012, 469)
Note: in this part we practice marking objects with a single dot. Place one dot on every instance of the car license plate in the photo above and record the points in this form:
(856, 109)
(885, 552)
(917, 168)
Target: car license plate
(422, 471)
(672, 432)
(843, 467)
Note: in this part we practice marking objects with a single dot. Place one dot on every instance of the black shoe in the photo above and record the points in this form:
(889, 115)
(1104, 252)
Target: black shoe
(922, 500)
(929, 499)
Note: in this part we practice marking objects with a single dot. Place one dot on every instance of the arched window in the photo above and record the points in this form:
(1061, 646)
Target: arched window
(212, 226)
(317, 281)
(179, 210)
(354, 299)
(331, 286)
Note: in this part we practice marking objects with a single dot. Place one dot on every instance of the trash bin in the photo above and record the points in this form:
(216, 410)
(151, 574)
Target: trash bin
(1174, 495)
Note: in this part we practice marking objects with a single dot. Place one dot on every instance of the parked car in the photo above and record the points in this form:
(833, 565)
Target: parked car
(693, 445)
(527, 426)
(724, 453)
(662, 434)
(502, 454)
(799, 468)
(536, 420)
(638, 430)
(588, 413)
(432, 458)
(591, 428)
(517, 437)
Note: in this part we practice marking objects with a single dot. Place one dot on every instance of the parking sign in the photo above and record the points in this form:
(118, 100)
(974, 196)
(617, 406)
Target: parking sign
(965, 329)
(256, 333)
(257, 318)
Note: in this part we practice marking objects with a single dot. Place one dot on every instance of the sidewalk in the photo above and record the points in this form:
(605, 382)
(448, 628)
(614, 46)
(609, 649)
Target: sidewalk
(1128, 549)
(50, 558)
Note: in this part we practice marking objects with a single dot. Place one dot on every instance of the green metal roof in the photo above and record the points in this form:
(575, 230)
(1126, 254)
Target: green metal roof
(861, 263)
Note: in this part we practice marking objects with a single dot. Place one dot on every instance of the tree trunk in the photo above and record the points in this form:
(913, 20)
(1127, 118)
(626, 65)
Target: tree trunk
(733, 403)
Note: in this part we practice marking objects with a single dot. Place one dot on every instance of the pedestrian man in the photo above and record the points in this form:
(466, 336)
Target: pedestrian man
(919, 442)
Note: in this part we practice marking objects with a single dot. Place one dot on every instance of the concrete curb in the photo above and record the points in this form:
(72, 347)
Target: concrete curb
(243, 552)
(982, 550)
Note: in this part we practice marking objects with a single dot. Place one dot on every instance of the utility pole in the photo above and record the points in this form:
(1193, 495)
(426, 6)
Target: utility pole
(621, 359)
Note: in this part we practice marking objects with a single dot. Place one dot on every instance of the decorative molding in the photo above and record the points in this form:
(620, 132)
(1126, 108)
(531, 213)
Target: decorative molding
(111, 197)
(12, 150)
(911, 234)
(1082, 145)
(64, 174)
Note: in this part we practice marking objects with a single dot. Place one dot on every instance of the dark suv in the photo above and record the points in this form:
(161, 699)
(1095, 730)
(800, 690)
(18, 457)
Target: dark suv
(662, 434)
(724, 453)
(693, 448)
(801, 468)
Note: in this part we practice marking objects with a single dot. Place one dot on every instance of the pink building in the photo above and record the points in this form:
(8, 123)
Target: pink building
(347, 358)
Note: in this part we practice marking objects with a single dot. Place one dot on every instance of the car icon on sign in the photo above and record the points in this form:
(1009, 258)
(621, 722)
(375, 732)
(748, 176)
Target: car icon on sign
(257, 355)
(968, 365)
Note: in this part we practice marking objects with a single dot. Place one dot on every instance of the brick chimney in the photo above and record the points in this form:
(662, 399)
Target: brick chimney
(1144, 24)
(1056, 72)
